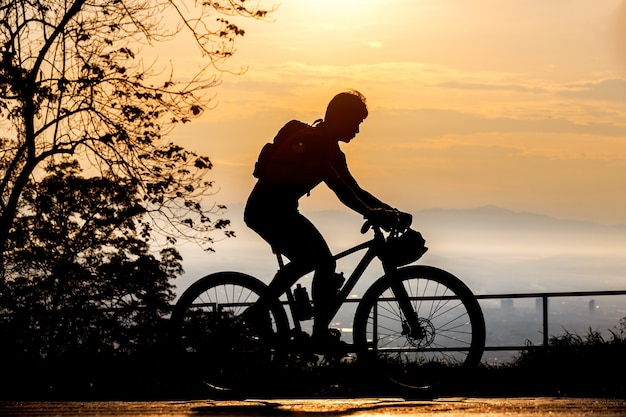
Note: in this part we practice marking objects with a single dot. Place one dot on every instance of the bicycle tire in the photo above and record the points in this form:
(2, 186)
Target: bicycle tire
(451, 330)
(217, 344)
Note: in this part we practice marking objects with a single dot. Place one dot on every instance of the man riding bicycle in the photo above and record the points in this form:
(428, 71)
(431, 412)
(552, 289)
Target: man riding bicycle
(300, 158)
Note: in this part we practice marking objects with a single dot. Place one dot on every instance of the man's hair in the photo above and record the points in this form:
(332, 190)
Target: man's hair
(348, 102)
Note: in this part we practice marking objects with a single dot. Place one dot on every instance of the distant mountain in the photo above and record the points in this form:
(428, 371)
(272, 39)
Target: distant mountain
(495, 228)
(491, 216)
(487, 225)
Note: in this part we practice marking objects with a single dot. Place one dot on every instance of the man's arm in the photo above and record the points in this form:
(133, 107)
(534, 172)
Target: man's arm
(344, 174)
(379, 213)
(368, 198)
(345, 192)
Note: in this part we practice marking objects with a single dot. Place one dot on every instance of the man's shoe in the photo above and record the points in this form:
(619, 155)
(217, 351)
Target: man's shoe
(329, 343)
(257, 323)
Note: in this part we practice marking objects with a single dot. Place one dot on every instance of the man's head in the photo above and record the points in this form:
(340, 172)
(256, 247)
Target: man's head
(344, 114)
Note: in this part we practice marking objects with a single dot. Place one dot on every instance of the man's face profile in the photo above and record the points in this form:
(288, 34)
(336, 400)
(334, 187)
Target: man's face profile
(348, 127)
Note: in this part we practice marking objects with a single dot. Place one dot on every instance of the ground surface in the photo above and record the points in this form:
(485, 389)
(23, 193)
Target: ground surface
(458, 407)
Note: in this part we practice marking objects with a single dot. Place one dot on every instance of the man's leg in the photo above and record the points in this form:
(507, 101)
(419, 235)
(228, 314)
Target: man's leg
(311, 251)
(294, 236)
(305, 247)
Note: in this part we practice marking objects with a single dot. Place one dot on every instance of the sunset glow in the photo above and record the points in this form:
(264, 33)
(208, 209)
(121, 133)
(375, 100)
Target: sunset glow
(517, 104)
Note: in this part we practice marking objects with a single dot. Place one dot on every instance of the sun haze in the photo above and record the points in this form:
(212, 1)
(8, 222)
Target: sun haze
(516, 104)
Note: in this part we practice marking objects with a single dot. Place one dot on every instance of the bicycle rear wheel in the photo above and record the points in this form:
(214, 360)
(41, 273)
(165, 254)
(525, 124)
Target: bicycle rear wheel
(218, 342)
(443, 329)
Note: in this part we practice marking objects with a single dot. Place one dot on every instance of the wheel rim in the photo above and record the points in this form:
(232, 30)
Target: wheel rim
(449, 334)
(217, 341)
(444, 334)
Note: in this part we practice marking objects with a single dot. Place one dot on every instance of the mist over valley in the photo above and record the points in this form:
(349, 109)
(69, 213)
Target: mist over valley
(492, 249)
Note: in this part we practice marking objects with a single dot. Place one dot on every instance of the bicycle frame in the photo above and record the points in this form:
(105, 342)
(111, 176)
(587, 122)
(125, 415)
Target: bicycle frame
(411, 315)
(372, 253)
(401, 320)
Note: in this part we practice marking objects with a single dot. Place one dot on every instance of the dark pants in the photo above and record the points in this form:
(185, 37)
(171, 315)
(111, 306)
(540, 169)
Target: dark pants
(291, 234)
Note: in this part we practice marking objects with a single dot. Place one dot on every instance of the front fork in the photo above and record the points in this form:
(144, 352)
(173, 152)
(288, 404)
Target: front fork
(411, 326)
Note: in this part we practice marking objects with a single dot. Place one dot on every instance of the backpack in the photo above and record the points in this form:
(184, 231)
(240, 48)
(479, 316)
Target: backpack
(266, 156)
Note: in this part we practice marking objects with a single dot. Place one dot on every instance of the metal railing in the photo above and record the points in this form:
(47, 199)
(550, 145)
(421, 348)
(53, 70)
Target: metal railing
(544, 297)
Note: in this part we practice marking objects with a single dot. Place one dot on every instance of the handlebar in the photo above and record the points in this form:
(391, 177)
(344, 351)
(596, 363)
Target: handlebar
(395, 222)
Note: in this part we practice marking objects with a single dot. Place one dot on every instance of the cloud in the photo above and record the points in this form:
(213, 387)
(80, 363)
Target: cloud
(608, 89)
(613, 89)
(432, 123)
(375, 44)
(490, 87)
(298, 85)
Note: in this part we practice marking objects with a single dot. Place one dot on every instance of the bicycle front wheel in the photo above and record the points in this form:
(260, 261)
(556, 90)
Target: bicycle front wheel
(219, 343)
(418, 318)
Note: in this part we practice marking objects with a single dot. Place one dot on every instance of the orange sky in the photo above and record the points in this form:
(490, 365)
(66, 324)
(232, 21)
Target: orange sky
(520, 104)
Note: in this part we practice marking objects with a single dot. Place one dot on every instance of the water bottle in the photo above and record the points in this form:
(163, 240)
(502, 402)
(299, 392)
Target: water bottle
(304, 308)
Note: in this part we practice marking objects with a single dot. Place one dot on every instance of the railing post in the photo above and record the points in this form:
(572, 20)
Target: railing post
(545, 319)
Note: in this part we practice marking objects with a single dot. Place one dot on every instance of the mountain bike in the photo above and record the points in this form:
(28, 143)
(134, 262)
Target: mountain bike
(413, 316)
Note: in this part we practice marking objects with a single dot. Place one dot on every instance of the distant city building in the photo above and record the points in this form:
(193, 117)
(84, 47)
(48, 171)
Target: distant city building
(592, 306)
(507, 305)
(539, 305)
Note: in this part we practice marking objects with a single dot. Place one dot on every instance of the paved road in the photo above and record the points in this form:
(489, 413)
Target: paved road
(366, 407)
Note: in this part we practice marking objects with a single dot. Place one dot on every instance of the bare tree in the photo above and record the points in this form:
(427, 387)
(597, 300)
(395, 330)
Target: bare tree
(73, 83)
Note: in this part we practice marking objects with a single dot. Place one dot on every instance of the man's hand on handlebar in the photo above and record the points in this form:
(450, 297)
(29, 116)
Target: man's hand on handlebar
(390, 219)
(404, 220)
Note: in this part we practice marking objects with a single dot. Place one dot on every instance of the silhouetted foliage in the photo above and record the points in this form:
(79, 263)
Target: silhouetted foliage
(84, 282)
(588, 352)
(571, 364)
(593, 338)
(73, 83)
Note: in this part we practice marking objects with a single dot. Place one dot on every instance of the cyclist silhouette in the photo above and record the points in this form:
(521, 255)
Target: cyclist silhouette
(302, 157)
